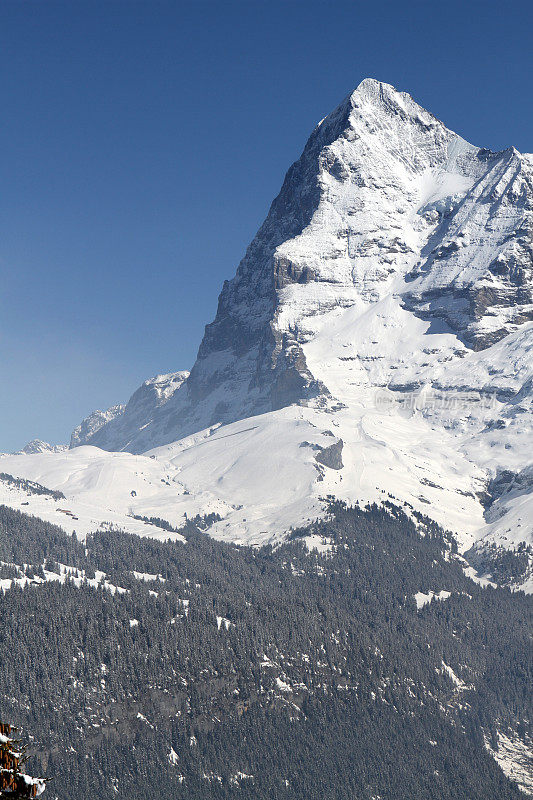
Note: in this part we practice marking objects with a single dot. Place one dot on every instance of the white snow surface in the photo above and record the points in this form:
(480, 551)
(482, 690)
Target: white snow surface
(515, 757)
(101, 489)
(260, 475)
(75, 576)
(383, 286)
(424, 598)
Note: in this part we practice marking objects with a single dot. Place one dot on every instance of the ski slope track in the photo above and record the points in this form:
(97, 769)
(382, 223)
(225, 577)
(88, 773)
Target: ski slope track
(375, 343)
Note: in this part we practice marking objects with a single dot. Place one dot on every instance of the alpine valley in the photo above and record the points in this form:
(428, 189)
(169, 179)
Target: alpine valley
(342, 490)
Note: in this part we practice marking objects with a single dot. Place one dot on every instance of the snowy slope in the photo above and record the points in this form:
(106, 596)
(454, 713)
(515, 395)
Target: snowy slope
(100, 489)
(376, 340)
(261, 475)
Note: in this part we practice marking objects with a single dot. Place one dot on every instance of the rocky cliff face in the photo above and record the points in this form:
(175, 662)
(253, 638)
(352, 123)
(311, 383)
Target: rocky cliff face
(476, 273)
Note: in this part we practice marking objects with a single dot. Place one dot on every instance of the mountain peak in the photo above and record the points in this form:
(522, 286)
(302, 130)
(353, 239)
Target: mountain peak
(378, 92)
(384, 202)
(373, 88)
(371, 92)
(38, 446)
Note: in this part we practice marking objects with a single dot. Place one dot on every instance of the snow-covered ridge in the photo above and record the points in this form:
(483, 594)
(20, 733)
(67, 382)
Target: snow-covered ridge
(38, 446)
(90, 426)
(107, 428)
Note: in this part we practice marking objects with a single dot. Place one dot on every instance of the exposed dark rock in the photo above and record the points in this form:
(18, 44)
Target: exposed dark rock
(331, 456)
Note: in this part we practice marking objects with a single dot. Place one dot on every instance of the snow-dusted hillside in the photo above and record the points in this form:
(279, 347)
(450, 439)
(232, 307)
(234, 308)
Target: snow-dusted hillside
(87, 488)
(375, 340)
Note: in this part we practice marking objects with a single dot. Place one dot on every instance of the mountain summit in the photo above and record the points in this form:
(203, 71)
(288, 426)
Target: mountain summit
(384, 201)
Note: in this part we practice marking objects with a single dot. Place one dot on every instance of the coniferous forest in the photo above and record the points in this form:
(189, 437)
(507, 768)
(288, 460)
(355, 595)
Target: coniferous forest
(201, 670)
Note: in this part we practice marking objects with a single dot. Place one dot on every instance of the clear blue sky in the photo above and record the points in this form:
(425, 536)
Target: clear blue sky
(142, 142)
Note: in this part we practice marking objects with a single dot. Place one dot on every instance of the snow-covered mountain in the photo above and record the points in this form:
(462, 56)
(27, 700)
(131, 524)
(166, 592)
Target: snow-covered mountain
(90, 426)
(113, 429)
(38, 446)
(385, 202)
(376, 339)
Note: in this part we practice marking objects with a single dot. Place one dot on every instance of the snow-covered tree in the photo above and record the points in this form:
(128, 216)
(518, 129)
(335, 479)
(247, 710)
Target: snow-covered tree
(14, 782)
